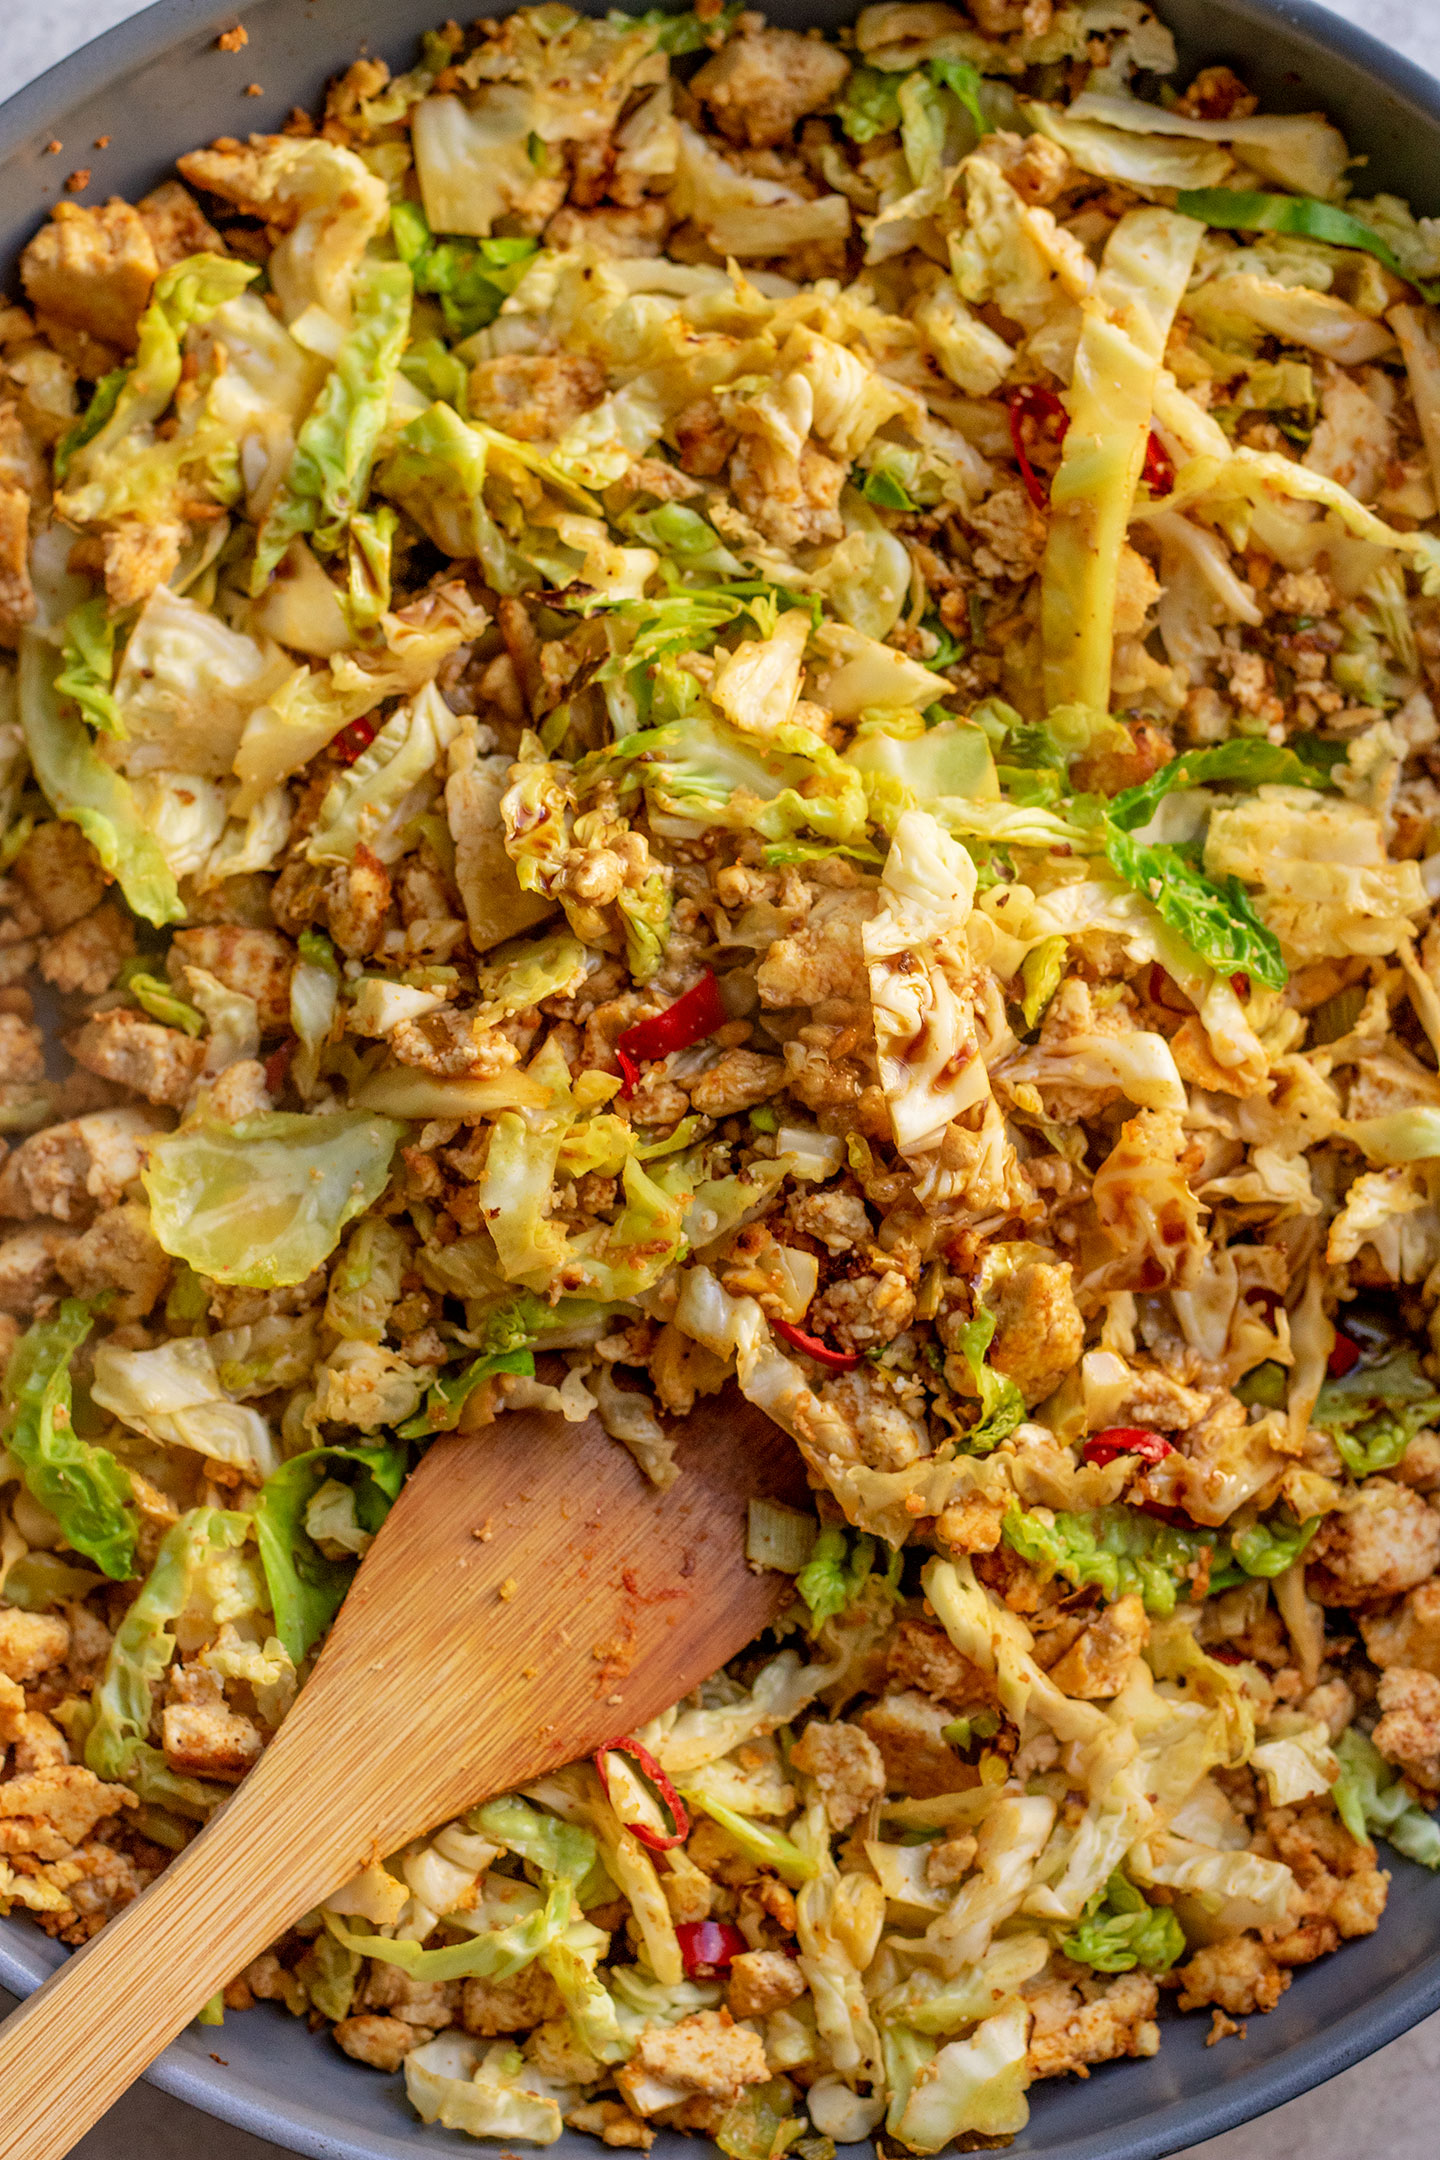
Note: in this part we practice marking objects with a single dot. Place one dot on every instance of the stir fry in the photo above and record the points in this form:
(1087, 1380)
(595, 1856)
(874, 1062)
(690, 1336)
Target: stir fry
(691, 705)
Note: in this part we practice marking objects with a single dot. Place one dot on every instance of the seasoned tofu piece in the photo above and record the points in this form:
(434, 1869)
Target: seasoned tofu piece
(118, 1252)
(1388, 1542)
(160, 1063)
(60, 873)
(177, 225)
(209, 1740)
(847, 1766)
(90, 954)
(535, 397)
(93, 269)
(257, 963)
(73, 1169)
(909, 1731)
(1098, 1663)
(757, 87)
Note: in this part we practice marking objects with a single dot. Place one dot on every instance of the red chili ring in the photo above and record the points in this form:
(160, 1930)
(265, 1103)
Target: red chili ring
(670, 1800)
(709, 1946)
(1163, 991)
(1036, 402)
(1343, 1357)
(689, 1020)
(1103, 1447)
(1159, 473)
(278, 1064)
(812, 1347)
(353, 741)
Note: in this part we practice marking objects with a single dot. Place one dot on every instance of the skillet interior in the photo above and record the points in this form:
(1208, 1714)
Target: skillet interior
(157, 87)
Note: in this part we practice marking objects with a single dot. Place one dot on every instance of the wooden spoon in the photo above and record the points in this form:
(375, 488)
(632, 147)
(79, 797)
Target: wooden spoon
(529, 1597)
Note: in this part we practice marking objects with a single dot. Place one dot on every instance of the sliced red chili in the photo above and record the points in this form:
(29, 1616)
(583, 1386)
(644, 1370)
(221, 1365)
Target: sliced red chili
(1165, 993)
(665, 1792)
(1240, 984)
(1103, 1447)
(1222, 1656)
(352, 741)
(1033, 401)
(689, 1020)
(812, 1347)
(1159, 474)
(709, 1946)
(277, 1065)
(1343, 1358)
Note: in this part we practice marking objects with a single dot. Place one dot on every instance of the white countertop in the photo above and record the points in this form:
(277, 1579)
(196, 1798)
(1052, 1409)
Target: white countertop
(1385, 2108)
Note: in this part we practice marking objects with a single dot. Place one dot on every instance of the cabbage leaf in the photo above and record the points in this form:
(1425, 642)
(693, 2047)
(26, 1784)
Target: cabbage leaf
(1371, 1796)
(1373, 1412)
(82, 1485)
(335, 449)
(306, 1587)
(174, 1394)
(1120, 1930)
(199, 1570)
(1126, 320)
(80, 786)
(262, 1202)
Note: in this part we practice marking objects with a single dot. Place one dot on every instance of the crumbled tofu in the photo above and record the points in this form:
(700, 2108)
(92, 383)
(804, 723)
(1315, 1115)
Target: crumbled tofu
(161, 1063)
(1094, 2021)
(612, 2123)
(73, 1169)
(1099, 1661)
(140, 554)
(209, 1740)
(1387, 1543)
(847, 1766)
(555, 2050)
(1238, 1974)
(30, 1643)
(822, 962)
(707, 2053)
(837, 1219)
(908, 1729)
(382, 2042)
(1409, 1729)
(92, 268)
(762, 1981)
(950, 1861)
(90, 954)
(256, 963)
(177, 225)
(240, 1092)
(432, 2003)
(1340, 1888)
(1409, 1635)
(28, 1268)
(489, 2007)
(51, 1811)
(535, 397)
(792, 500)
(357, 899)
(1039, 1333)
(119, 1252)
(738, 1080)
(60, 873)
(758, 86)
(22, 1051)
(925, 1658)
